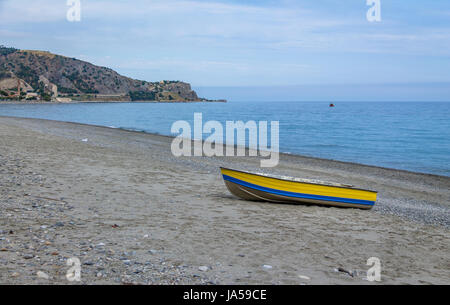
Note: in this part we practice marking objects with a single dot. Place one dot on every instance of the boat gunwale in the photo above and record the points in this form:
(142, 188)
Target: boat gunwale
(310, 183)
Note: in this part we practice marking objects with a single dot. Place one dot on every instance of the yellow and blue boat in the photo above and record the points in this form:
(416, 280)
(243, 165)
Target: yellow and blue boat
(281, 189)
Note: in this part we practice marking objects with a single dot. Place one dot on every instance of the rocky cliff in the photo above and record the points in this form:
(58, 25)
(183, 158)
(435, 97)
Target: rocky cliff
(28, 74)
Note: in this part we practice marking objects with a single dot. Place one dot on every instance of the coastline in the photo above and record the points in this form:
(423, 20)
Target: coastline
(177, 211)
(336, 162)
(104, 102)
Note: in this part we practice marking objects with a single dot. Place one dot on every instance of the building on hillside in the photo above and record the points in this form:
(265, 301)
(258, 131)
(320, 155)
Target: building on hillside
(32, 95)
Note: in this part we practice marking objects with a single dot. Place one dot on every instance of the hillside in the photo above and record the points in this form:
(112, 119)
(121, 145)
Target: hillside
(46, 76)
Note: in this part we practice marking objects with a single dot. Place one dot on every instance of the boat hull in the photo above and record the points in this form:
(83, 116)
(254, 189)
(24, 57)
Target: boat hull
(261, 188)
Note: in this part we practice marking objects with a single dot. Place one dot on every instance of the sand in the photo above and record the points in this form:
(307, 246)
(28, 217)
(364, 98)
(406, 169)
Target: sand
(133, 213)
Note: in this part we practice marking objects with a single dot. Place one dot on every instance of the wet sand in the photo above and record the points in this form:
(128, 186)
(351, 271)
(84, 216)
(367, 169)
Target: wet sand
(133, 213)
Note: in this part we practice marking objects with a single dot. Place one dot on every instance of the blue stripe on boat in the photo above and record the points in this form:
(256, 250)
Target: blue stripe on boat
(297, 195)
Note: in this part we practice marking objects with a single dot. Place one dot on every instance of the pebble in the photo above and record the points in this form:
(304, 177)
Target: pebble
(203, 268)
(349, 272)
(304, 277)
(49, 212)
(267, 267)
(28, 256)
(42, 275)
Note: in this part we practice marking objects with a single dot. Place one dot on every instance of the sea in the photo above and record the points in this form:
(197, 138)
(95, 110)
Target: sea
(412, 136)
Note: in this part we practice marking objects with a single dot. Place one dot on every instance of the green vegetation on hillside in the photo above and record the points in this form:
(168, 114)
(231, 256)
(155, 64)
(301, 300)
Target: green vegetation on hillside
(77, 79)
(65, 90)
(5, 50)
(28, 75)
(142, 96)
(52, 76)
(4, 74)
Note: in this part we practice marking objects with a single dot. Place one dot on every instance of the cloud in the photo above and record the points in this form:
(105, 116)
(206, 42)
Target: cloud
(229, 25)
(205, 65)
(230, 41)
(36, 11)
(19, 11)
(206, 23)
(13, 34)
(161, 22)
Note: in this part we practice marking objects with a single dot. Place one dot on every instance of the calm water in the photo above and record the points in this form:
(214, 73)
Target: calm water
(411, 136)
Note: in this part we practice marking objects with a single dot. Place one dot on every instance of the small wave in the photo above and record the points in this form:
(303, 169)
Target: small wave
(140, 130)
(326, 146)
(130, 129)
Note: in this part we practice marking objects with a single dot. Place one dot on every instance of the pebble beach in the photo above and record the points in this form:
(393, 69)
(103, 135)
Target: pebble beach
(132, 213)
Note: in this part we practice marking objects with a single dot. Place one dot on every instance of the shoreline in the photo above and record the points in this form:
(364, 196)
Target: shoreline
(134, 214)
(285, 154)
(103, 102)
(364, 170)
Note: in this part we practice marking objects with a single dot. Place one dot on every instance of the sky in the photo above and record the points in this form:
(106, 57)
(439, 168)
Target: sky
(252, 49)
